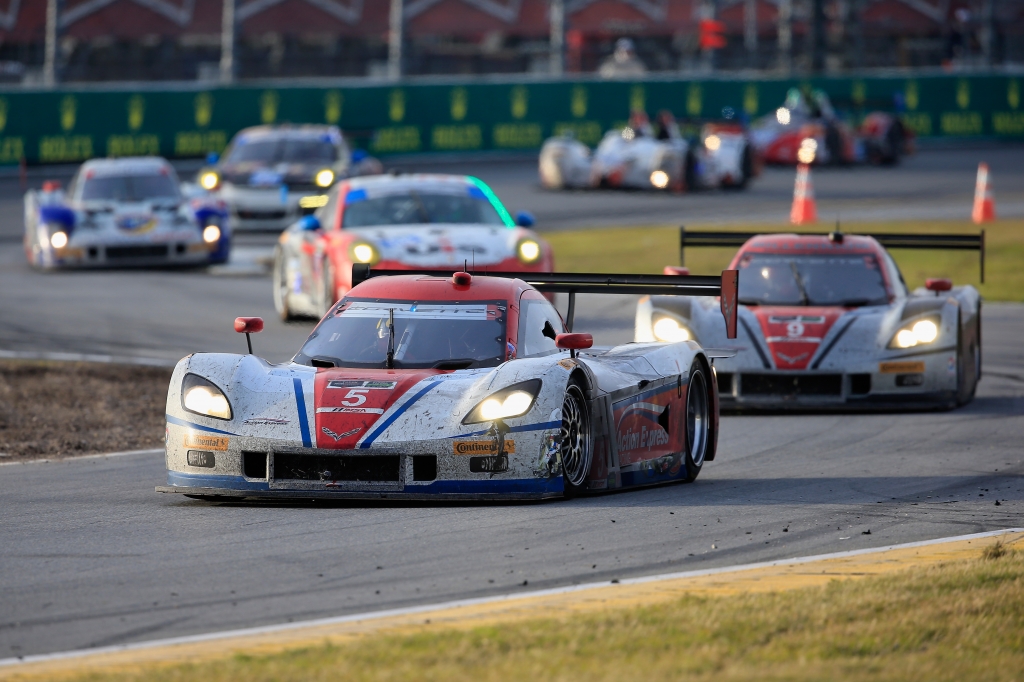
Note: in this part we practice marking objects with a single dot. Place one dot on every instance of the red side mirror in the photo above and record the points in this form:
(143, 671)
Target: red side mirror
(938, 284)
(574, 341)
(248, 325)
(675, 270)
(51, 185)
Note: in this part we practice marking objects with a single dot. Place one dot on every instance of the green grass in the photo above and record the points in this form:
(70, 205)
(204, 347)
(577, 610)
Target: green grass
(648, 249)
(958, 621)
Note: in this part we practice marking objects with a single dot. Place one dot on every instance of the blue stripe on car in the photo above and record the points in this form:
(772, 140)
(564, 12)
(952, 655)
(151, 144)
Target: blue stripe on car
(197, 427)
(368, 441)
(300, 403)
(355, 195)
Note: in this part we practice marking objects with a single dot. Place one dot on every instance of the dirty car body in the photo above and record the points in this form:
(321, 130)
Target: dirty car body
(443, 387)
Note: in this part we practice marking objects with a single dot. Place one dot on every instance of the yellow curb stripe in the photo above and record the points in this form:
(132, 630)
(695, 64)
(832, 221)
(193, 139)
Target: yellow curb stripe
(558, 604)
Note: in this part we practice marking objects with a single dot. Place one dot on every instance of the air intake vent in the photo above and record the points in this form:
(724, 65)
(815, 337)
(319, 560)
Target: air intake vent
(369, 468)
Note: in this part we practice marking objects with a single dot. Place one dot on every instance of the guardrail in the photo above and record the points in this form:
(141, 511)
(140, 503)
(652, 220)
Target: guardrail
(75, 123)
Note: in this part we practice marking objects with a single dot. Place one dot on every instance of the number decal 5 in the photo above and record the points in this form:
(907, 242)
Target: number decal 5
(355, 397)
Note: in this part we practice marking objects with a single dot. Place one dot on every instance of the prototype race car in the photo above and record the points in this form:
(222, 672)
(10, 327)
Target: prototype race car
(271, 175)
(123, 212)
(452, 386)
(642, 157)
(826, 321)
(399, 222)
(806, 129)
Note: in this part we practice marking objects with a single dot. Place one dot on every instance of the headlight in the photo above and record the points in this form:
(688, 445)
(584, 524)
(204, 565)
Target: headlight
(514, 401)
(209, 180)
(659, 179)
(713, 142)
(916, 334)
(313, 201)
(668, 329)
(59, 240)
(364, 252)
(528, 251)
(808, 150)
(325, 177)
(202, 397)
(782, 116)
(211, 233)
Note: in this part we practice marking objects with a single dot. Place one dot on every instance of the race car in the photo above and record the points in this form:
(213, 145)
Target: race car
(826, 321)
(271, 175)
(448, 386)
(641, 156)
(399, 221)
(123, 212)
(806, 129)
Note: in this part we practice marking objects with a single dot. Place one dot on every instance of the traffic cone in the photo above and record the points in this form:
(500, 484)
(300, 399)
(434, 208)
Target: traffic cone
(804, 211)
(984, 206)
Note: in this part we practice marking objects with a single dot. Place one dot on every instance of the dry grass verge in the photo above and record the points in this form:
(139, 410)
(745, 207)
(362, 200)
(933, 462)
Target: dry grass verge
(60, 409)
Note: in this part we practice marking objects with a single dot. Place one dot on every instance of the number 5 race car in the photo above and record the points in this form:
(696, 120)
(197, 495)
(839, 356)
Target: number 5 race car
(451, 386)
(826, 321)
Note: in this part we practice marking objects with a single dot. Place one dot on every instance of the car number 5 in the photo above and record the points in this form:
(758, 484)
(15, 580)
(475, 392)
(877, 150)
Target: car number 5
(355, 397)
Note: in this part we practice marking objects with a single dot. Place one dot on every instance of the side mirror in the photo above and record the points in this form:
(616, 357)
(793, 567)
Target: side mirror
(51, 185)
(525, 219)
(938, 284)
(248, 325)
(358, 155)
(212, 159)
(309, 223)
(676, 271)
(574, 342)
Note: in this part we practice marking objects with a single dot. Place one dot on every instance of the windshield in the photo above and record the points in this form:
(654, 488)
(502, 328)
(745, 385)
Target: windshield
(415, 208)
(284, 150)
(439, 334)
(769, 279)
(129, 188)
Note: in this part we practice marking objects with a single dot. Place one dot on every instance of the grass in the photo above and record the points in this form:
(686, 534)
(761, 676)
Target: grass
(648, 249)
(962, 620)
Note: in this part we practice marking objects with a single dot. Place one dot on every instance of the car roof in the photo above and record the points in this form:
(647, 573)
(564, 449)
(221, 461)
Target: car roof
(439, 288)
(286, 130)
(129, 165)
(393, 184)
(787, 243)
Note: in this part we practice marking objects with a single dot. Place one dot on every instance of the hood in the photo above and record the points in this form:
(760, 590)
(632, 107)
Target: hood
(135, 219)
(441, 246)
(794, 333)
(262, 174)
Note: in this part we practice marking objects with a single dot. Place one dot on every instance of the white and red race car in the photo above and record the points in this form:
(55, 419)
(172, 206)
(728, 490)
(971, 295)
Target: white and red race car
(826, 321)
(454, 386)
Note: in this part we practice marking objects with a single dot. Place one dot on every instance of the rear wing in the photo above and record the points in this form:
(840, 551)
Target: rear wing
(726, 286)
(961, 242)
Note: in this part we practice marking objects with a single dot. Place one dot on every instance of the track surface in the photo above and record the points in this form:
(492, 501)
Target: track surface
(90, 555)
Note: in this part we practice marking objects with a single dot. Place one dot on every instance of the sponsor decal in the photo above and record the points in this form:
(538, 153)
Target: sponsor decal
(803, 319)
(339, 436)
(481, 447)
(549, 463)
(567, 363)
(642, 425)
(791, 359)
(200, 458)
(901, 367)
(351, 410)
(488, 465)
(266, 421)
(361, 383)
(510, 349)
(200, 440)
(136, 224)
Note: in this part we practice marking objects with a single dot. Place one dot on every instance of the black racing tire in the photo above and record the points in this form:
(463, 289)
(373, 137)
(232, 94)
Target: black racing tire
(326, 297)
(834, 144)
(279, 281)
(690, 171)
(576, 447)
(968, 361)
(894, 141)
(698, 421)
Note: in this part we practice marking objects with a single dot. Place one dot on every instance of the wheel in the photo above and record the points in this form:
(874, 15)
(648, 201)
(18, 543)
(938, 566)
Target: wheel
(690, 171)
(834, 145)
(575, 448)
(893, 144)
(280, 284)
(698, 421)
(968, 366)
(327, 291)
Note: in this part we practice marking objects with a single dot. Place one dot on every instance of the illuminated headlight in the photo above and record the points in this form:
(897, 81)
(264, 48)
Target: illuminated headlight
(324, 178)
(659, 179)
(364, 252)
(209, 180)
(211, 233)
(808, 150)
(202, 397)
(782, 116)
(670, 330)
(514, 401)
(713, 142)
(916, 334)
(313, 201)
(528, 251)
(59, 240)
(628, 134)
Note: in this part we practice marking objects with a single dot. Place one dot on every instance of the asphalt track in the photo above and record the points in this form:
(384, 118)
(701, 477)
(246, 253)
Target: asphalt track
(91, 556)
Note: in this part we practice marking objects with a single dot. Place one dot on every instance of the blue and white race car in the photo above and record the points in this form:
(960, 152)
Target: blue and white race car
(123, 212)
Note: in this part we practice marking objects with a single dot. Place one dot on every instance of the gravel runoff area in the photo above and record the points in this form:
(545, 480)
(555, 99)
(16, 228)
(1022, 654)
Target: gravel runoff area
(62, 409)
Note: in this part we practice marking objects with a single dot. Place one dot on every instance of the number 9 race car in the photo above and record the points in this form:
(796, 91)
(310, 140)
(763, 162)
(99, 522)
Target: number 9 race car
(123, 212)
(826, 321)
(452, 386)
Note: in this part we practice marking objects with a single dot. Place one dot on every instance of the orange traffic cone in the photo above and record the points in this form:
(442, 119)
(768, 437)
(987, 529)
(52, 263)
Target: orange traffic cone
(984, 206)
(804, 211)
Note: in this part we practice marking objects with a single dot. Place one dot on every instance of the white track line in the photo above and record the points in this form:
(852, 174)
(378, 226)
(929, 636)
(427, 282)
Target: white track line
(374, 615)
(86, 357)
(75, 458)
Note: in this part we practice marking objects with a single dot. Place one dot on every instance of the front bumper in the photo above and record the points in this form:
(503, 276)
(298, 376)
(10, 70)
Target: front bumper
(264, 209)
(99, 254)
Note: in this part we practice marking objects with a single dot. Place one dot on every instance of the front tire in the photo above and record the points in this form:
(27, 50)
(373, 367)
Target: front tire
(698, 421)
(327, 290)
(280, 284)
(576, 445)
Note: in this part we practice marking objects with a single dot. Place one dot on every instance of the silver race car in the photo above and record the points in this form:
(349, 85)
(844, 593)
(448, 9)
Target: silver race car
(123, 212)
(826, 321)
(448, 385)
(269, 176)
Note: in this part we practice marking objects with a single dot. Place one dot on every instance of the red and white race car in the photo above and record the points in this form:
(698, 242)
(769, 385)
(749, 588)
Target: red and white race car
(806, 129)
(399, 222)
